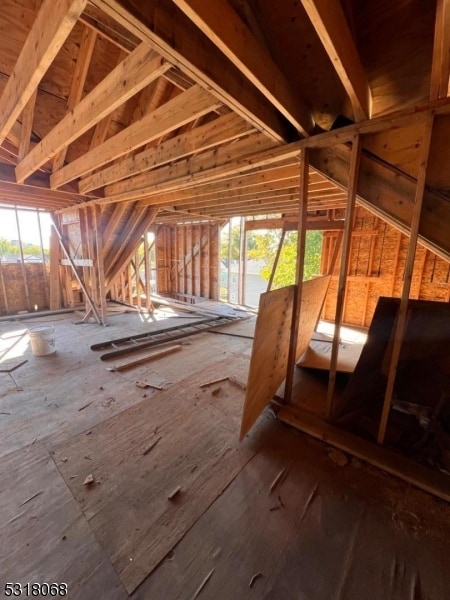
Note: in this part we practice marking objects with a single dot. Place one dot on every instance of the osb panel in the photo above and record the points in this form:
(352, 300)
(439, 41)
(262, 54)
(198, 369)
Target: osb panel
(377, 262)
(15, 287)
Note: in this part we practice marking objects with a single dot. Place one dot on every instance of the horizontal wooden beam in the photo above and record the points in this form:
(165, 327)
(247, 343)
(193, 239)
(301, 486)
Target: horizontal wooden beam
(135, 72)
(182, 109)
(52, 26)
(184, 171)
(222, 25)
(411, 471)
(221, 130)
(291, 224)
(328, 19)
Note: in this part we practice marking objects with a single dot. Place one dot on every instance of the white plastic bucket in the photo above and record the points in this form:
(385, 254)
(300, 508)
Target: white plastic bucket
(42, 340)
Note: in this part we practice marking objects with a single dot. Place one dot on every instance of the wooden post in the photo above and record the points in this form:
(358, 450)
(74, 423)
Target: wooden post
(97, 214)
(244, 266)
(301, 240)
(275, 263)
(241, 257)
(44, 269)
(22, 262)
(345, 257)
(147, 271)
(74, 269)
(2, 279)
(55, 280)
(409, 266)
(229, 263)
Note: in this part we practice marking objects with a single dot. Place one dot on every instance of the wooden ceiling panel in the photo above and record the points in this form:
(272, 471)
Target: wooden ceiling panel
(395, 41)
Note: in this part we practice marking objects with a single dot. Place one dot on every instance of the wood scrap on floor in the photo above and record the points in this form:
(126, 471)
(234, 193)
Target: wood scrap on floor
(145, 359)
(255, 577)
(146, 384)
(202, 585)
(277, 480)
(213, 382)
(150, 447)
(174, 493)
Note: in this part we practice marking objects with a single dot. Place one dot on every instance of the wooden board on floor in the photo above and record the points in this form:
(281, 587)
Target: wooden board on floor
(425, 478)
(318, 356)
(307, 537)
(127, 506)
(313, 296)
(268, 362)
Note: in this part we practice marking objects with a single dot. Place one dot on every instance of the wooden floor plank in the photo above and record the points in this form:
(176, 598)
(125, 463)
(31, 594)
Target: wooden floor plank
(45, 537)
(321, 533)
(127, 506)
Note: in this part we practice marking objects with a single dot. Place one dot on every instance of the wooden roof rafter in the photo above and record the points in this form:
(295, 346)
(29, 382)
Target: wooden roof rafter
(440, 71)
(176, 38)
(218, 20)
(52, 25)
(330, 23)
(135, 72)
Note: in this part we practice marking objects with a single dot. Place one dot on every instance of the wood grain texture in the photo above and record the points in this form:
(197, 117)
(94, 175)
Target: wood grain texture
(268, 362)
(313, 296)
(127, 507)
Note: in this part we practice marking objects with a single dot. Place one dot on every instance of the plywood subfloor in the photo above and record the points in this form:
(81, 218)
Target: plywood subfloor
(196, 448)
(350, 532)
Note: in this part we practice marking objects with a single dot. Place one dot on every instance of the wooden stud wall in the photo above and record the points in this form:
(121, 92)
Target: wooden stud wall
(377, 262)
(187, 260)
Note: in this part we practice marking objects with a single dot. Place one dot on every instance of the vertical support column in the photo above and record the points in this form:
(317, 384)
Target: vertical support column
(85, 250)
(345, 258)
(22, 262)
(275, 263)
(241, 261)
(97, 214)
(5, 296)
(90, 228)
(44, 267)
(229, 263)
(55, 282)
(301, 240)
(244, 266)
(214, 284)
(409, 266)
(147, 271)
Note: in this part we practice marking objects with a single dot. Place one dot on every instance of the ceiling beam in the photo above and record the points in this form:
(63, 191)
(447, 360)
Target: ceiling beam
(222, 25)
(182, 171)
(50, 29)
(330, 23)
(440, 71)
(177, 39)
(182, 109)
(136, 71)
(219, 131)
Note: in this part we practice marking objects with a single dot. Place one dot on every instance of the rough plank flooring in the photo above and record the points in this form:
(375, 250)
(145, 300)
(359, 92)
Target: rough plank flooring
(324, 532)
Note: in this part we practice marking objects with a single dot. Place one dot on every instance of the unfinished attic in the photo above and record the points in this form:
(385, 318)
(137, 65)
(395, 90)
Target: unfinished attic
(225, 299)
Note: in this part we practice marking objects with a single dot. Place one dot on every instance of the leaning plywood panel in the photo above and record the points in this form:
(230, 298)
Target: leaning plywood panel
(268, 362)
(313, 298)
